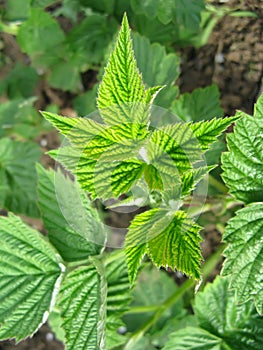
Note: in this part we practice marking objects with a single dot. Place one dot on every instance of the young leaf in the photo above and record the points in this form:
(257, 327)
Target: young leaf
(222, 323)
(244, 255)
(19, 176)
(122, 97)
(174, 241)
(243, 163)
(30, 273)
(111, 179)
(206, 132)
(135, 243)
(73, 225)
(82, 302)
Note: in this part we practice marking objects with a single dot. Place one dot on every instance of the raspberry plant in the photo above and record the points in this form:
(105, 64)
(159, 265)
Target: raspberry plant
(158, 167)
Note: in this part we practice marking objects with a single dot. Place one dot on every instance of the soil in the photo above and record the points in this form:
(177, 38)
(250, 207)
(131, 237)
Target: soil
(232, 59)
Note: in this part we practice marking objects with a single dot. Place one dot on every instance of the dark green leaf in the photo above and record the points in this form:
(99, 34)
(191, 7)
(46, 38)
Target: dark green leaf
(30, 273)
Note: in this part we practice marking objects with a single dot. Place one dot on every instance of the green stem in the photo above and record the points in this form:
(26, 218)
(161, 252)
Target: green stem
(218, 185)
(187, 285)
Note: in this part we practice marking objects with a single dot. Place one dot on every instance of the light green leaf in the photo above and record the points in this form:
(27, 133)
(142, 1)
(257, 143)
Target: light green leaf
(244, 254)
(41, 38)
(112, 179)
(194, 338)
(30, 272)
(202, 103)
(243, 163)
(73, 225)
(206, 132)
(17, 166)
(121, 96)
(223, 325)
(95, 139)
(135, 243)
(174, 149)
(82, 302)
(174, 242)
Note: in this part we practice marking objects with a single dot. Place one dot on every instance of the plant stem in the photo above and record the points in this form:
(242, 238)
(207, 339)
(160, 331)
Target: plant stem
(218, 185)
(187, 285)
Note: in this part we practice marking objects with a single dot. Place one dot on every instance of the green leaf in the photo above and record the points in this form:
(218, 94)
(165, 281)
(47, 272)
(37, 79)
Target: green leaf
(72, 224)
(174, 242)
(82, 167)
(17, 167)
(112, 179)
(65, 76)
(82, 302)
(173, 149)
(152, 289)
(135, 242)
(223, 325)
(41, 38)
(121, 96)
(30, 273)
(244, 254)
(16, 11)
(206, 132)
(188, 13)
(243, 163)
(91, 37)
(202, 103)
(193, 338)
(20, 81)
(162, 70)
(118, 297)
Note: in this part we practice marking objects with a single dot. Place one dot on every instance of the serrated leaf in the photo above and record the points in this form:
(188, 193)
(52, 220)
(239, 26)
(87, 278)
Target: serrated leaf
(30, 273)
(118, 297)
(202, 103)
(206, 132)
(19, 175)
(222, 324)
(121, 97)
(174, 242)
(173, 149)
(112, 179)
(82, 302)
(244, 254)
(136, 238)
(81, 167)
(243, 163)
(193, 338)
(73, 225)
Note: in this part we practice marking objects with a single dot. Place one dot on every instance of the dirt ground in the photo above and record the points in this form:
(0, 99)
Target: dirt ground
(233, 60)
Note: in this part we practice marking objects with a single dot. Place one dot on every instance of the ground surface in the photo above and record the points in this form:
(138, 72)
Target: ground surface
(232, 59)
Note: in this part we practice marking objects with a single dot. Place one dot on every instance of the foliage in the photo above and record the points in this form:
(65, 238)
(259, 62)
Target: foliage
(134, 148)
(114, 153)
(242, 166)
